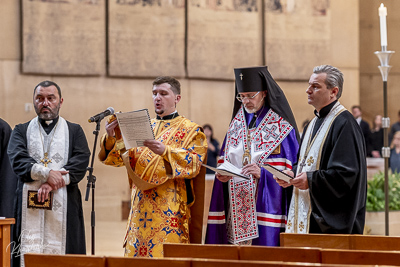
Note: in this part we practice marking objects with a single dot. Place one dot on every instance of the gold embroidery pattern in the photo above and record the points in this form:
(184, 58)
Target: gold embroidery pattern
(310, 161)
(301, 226)
(289, 224)
(277, 150)
(33, 204)
(161, 214)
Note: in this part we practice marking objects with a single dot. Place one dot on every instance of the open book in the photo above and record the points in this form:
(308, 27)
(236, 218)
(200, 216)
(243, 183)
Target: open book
(227, 169)
(135, 127)
(279, 174)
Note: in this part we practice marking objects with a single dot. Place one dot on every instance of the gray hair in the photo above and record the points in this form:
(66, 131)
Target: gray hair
(334, 77)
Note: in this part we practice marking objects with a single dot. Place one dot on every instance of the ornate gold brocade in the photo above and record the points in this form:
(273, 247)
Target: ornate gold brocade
(161, 214)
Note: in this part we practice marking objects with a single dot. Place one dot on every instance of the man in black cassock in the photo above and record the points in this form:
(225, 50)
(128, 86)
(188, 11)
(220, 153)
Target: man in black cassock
(330, 185)
(49, 154)
(365, 129)
(8, 181)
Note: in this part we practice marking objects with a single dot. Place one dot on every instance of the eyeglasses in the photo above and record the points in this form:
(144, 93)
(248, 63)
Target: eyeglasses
(241, 98)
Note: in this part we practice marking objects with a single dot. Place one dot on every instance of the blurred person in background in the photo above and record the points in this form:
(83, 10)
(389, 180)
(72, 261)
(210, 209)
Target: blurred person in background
(213, 147)
(376, 137)
(394, 160)
(357, 114)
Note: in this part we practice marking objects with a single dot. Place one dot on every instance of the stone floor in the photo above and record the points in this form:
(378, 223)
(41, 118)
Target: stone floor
(109, 235)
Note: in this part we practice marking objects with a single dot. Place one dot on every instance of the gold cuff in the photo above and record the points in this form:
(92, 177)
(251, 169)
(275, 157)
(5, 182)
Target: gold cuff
(165, 152)
(110, 142)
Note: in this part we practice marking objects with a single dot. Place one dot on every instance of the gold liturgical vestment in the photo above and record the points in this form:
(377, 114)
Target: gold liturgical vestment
(164, 213)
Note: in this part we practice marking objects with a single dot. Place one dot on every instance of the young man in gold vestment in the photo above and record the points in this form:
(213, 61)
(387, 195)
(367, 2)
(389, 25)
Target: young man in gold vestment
(165, 175)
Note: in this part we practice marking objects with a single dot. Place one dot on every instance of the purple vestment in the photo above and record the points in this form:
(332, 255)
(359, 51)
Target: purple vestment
(272, 201)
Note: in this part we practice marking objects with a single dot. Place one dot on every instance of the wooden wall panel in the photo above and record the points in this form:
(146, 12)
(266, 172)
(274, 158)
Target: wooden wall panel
(146, 38)
(223, 35)
(65, 37)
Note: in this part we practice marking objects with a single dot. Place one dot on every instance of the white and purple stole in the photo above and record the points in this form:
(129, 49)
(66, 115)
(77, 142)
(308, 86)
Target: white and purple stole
(243, 218)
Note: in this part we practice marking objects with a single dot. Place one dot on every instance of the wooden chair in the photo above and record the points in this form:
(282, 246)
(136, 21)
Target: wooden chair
(360, 257)
(201, 251)
(315, 240)
(368, 242)
(259, 253)
(358, 242)
(232, 263)
(245, 263)
(5, 233)
(147, 262)
(46, 260)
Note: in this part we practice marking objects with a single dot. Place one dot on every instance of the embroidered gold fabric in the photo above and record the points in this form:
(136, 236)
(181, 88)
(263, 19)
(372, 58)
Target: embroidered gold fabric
(161, 214)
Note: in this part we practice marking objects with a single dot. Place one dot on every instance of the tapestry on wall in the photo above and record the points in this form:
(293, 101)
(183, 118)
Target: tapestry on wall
(223, 35)
(146, 38)
(297, 37)
(63, 37)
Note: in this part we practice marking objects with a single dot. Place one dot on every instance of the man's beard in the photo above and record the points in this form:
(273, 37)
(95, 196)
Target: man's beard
(50, 115)
(256, 108)
(253, 110)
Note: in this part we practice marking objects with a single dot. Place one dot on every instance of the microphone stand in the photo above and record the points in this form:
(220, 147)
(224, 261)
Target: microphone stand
(91, 184)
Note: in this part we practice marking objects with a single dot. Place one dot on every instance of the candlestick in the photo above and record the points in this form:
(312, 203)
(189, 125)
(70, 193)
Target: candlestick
(382, 17)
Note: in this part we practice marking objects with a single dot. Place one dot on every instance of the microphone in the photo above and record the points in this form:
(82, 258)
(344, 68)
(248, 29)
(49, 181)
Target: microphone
(101, 115)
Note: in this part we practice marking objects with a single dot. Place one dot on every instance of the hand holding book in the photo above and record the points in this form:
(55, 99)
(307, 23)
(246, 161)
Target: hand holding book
(278, 173)
(228, 169)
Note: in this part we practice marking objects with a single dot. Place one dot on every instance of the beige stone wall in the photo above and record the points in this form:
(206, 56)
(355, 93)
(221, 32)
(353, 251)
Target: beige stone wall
(207, 100)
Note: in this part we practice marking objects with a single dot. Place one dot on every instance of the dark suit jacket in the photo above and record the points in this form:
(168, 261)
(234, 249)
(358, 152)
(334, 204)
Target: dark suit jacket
(366, 133)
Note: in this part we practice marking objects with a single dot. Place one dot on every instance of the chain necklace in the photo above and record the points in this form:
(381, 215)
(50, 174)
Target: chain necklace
(46, 160)
(246, 159)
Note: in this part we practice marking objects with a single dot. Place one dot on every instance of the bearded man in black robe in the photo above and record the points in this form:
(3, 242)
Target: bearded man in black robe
(330, 185)
(50, 156)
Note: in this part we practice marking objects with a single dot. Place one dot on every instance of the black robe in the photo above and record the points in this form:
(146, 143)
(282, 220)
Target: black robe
(338, 190)
(8, 181)
(78, 159)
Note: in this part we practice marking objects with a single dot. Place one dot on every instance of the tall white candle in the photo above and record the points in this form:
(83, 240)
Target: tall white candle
(382, 16)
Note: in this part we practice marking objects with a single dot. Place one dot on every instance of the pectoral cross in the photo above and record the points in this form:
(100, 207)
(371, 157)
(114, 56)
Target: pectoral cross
(302, 164)
(45, 160)
(241, 76)
(174, 199)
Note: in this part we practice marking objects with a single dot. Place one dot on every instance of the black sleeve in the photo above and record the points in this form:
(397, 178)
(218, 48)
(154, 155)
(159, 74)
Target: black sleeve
(79, 153)
(5, 132)
(341, 161)
(217, 149)
(17, 151)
